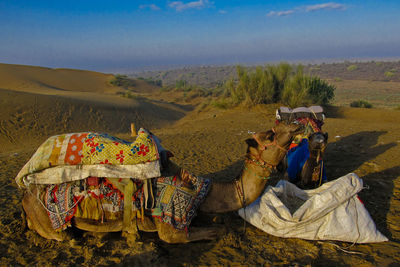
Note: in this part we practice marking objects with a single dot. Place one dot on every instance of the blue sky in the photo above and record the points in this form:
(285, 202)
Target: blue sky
(129, 35)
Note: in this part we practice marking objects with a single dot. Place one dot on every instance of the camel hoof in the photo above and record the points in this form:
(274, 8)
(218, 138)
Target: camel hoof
(131, 238)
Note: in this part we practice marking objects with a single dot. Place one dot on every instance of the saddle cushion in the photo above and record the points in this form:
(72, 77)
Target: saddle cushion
(71, 157)
(178, 198)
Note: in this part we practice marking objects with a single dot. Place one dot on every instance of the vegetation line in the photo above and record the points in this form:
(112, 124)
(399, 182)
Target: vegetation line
(275, 84)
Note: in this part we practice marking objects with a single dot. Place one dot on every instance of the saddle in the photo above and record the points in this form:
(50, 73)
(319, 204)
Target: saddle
(65, 160)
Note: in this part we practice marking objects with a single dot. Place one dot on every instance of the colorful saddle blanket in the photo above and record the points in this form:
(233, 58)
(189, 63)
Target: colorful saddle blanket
(71, 157)
(177, 199)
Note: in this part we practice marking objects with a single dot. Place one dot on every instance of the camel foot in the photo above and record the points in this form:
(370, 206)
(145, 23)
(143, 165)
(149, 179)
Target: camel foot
(169, 234)
(96, 226)
(37, 218)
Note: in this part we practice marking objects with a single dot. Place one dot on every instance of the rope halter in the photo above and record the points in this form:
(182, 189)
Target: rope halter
(274, 143)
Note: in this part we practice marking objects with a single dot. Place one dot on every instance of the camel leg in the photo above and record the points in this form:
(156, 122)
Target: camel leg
(169, 234)
(95, 226)
(37, 218)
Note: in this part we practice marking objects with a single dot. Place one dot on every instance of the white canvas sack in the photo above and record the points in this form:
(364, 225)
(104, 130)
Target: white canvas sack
(330, 212)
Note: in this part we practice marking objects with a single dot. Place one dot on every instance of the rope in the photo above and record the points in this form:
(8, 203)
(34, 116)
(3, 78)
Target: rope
(355, 241)
(52, 212)
(315, 115)
(244, 206)
(342, 249)
(321, 172)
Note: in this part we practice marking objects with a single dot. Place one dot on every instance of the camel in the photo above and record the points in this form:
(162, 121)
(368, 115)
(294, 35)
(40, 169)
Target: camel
(265, 151)
(309, 175)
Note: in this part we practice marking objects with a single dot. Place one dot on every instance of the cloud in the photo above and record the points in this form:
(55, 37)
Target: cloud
(325, 6)
(180, 6)
(310, 8)
(222, 12)
(280, 13)
(151, 6)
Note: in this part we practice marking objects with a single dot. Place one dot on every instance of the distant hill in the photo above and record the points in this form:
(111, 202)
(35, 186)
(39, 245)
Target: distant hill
(368, 71)
(211, 76)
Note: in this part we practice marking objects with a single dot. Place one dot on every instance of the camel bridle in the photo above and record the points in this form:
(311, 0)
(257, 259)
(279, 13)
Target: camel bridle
(257, 162)
(274, 143)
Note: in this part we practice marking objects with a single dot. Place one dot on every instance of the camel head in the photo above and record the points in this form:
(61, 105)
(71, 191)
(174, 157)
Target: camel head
(318, 141)
(271, 146)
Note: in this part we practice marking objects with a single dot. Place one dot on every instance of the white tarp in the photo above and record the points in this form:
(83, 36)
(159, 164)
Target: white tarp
(330, 212)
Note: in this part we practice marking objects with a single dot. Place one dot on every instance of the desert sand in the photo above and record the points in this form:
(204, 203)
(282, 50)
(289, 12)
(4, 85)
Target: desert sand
(38, 102)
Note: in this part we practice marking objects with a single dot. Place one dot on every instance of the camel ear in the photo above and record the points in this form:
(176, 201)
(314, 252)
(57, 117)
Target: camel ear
(251, 142)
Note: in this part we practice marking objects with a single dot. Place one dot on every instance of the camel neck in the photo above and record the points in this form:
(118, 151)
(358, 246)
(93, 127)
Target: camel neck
(233, 195)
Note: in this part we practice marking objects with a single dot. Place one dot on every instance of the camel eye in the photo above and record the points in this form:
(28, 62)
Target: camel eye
(271, 137)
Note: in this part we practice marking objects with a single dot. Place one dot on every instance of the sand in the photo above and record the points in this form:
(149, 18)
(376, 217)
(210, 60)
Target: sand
(211, 144)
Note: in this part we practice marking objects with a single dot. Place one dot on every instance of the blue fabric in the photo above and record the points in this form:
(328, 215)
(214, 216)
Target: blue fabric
(296, 158)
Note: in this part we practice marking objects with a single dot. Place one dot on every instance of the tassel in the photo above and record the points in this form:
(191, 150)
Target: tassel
(142, 214)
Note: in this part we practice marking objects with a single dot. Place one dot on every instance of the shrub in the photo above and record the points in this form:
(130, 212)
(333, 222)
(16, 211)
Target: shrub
(320, 91)
(389, 74)
(122, 81)
(222, 103)
(151, 81)
(181, 85)
(360, 104)
(352, 67)
(295, 92)
(273, 84)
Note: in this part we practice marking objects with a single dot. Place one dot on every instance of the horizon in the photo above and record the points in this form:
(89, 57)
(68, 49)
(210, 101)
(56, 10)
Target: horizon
(132, 36)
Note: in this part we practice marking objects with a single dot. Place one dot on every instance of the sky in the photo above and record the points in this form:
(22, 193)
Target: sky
(122, 36)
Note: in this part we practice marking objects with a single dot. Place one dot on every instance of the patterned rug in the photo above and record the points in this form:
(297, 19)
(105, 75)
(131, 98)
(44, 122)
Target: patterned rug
(178, 198)
(100, 201)
(60, 203)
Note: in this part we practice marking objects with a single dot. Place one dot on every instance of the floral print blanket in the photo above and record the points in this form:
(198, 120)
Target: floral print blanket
(76, 156)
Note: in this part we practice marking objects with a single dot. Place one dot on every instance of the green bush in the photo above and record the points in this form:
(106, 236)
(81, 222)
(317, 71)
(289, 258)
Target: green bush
(131, 95)
(320, 91)
(122, 81)
(360, 104)
(352, 67)
(389, 74)
(296, 90)
(151, 81)
(222, 103)
(273, 84)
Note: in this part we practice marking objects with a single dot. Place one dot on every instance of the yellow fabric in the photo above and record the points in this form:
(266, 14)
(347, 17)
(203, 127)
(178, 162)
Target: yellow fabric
(90, 208)
(104, 150)
(128, 191)
(90, 149)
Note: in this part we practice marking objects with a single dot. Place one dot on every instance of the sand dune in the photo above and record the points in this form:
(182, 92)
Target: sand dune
(32, 78)
(37, 102)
